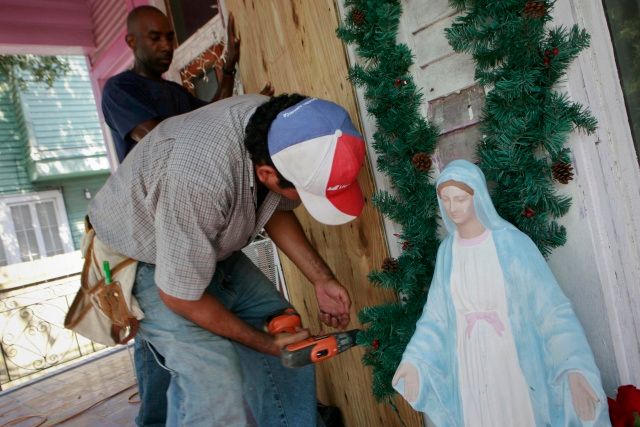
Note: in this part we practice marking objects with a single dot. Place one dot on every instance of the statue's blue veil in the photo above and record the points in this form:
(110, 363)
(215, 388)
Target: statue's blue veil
(471, 175)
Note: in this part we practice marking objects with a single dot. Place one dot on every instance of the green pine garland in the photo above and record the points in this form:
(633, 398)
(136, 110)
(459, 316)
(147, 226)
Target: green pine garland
(403, 141)
(526, 122)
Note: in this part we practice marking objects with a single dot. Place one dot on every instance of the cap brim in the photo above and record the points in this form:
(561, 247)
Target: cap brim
(336, 209)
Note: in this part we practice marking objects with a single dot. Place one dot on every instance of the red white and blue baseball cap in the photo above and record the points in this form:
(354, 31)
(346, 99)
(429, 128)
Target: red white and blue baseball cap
(315, 145)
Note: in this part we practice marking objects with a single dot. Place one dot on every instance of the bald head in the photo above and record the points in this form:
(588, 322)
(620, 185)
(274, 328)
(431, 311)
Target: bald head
(142, 14)
(150, 36)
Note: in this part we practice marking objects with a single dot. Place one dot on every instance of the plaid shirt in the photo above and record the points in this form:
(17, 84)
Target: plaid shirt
(185, 197)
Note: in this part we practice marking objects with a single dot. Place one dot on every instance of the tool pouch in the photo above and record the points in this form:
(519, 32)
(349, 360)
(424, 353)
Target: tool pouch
(105, 313)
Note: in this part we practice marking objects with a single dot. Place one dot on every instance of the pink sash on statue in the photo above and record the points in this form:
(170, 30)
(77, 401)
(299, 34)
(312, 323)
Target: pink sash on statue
(490, 317)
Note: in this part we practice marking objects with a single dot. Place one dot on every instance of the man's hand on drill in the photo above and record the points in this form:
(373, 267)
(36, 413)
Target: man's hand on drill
(283, 339)
(334, 303)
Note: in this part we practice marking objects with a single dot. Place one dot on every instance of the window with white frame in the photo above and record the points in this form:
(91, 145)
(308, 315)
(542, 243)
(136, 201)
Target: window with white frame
(33, 226)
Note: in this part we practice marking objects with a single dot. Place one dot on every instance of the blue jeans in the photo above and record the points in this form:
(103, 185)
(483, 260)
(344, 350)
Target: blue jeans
(217, 382)
(153, 382)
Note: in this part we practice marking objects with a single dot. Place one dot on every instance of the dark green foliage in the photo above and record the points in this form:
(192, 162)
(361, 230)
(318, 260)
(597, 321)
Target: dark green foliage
(393, 99)
(526, 122)
(41, 68)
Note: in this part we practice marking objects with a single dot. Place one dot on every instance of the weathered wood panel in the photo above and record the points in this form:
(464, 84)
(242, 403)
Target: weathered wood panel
(293, 45)
(458, 118)
(438, 69)
(420, 13)
(445, 76)
(431, 44)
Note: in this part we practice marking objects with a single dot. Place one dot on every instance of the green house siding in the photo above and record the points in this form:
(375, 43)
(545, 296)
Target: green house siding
(50, 139)
(73, 192)
(14, 177)
(64, 134)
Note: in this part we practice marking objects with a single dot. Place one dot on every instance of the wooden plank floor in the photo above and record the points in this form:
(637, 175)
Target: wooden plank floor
(97, 390)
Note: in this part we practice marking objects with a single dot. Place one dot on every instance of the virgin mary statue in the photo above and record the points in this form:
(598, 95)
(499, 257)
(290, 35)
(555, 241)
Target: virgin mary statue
(498, 343)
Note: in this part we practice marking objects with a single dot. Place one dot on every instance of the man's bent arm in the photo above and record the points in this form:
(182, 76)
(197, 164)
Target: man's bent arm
(142, 130)
(210, 314)
(333, 299)
(286, 232)
(232, 56)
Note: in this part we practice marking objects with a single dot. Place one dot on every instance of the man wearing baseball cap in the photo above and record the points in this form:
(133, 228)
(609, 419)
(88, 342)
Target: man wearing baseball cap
(187, 199)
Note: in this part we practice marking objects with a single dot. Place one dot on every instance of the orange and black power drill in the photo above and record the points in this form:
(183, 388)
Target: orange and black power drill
(313, 349)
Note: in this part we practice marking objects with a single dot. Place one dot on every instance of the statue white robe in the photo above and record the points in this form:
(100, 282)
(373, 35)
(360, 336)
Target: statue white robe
(493, 390)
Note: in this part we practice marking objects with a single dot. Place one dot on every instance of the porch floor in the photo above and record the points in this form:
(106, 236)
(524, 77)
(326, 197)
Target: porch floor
(94, 392)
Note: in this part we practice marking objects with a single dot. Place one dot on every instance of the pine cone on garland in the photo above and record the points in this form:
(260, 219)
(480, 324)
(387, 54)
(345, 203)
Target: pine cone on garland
(390, 265)
(562, 172)
(421, 161)
(535, 9)
(357, 17)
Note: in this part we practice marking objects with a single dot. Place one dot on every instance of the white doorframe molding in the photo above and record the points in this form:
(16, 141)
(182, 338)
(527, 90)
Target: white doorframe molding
(608, 167)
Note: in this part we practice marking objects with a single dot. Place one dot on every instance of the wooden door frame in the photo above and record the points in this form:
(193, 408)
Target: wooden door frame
(609, 165)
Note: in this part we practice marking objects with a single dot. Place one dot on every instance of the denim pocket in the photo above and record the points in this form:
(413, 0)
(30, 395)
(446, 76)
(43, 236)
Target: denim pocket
(158, 358)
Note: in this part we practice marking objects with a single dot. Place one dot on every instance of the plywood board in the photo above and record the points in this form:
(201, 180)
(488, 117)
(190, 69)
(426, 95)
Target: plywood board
(293, 45)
